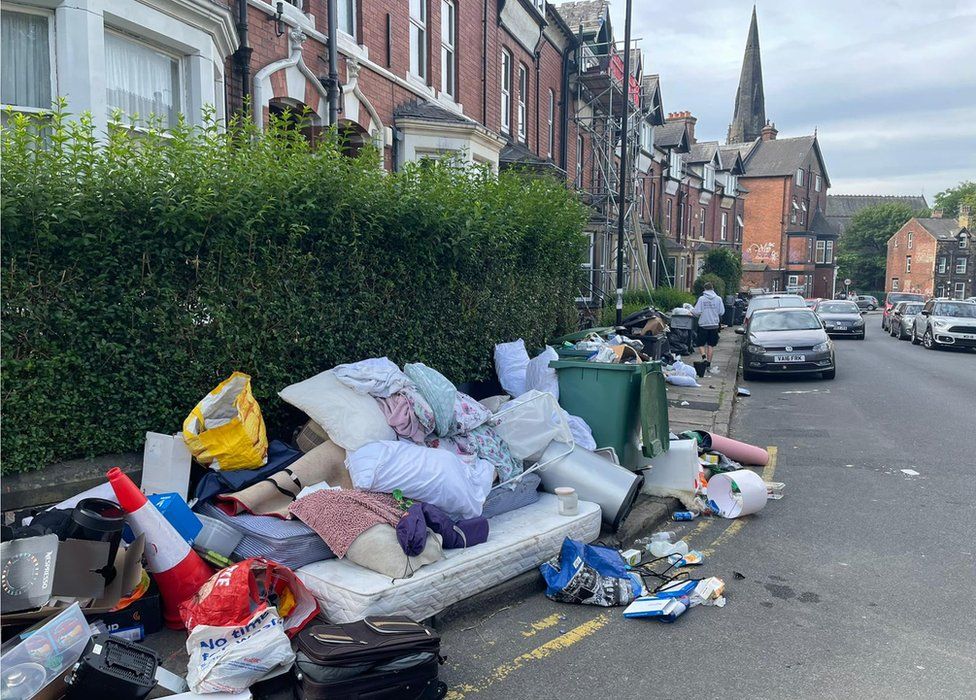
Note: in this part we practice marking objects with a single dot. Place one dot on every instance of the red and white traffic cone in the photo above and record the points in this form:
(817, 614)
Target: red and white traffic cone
(178, 570)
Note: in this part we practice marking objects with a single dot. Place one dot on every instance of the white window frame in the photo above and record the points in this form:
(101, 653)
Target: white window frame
(180, 70)
(52, 58)
(798, 177)
(350, 28)
(911, 239)
(667, 217)
(908, 264)
(821, 252)
(732, 186)
(579, 160)
(449, 48)
(551, 125)
(959, 290)
(420, 24)
(943, 265)
(506, 91)
(961, 266)
(817, 182)
(963, 240)
(829, 253)
(792, 281)
(709, 177)
(725, 225)
(589, 267)
(540, 6)
(894, 284)
(674, 166)
(701, 223)
(523, 112)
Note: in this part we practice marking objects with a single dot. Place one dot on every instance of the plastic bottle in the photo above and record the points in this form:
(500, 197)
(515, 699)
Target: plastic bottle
(662, 548)
(663, 535)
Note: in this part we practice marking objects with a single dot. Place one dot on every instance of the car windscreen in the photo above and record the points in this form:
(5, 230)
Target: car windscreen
(911, 309)
(838, 307)
(776, 303)
(960, 310)
(894, 298)
(785, 321)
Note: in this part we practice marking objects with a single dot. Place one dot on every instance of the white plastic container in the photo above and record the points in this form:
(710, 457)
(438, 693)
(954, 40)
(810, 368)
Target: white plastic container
(217, 537)
(568, 500)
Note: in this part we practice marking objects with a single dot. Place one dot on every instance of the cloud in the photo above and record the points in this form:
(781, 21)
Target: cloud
(890, 86)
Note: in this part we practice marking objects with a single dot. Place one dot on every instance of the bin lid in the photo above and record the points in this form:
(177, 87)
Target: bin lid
(649, 366)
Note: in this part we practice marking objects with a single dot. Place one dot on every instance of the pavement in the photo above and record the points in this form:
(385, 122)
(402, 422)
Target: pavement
(858, 583)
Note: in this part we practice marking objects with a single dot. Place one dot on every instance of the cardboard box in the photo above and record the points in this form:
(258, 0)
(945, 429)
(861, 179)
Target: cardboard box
(654, 326)
(75, 578)
(136, 620)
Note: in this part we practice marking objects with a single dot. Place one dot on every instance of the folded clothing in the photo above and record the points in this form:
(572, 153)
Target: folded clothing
(376, 376)
(213, 482)
(339, 517)
(273, 495)
(289, 542)
(523, 492)
(456, 485)
(409, 414)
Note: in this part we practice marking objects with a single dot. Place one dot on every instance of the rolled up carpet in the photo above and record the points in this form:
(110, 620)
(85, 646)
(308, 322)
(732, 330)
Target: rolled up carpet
(741, 452)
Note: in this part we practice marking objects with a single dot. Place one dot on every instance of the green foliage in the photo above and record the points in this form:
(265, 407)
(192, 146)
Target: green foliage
(949, 200)
(726, 264)
(662, 299)
(140, 270)
(863, 249)
(718, 284)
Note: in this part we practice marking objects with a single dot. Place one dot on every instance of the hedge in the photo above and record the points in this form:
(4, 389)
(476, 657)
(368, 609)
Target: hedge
(661, 298)
(141, 268)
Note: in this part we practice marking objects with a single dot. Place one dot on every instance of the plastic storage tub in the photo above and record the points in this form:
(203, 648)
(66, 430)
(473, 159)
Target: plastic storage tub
(217, 537)
(625, 405)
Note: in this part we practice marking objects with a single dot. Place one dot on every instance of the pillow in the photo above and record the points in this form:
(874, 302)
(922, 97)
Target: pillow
(468, 414)
(351, 419)
(378, 549)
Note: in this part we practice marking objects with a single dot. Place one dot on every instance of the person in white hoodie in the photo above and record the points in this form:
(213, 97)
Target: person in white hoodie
(709, 309)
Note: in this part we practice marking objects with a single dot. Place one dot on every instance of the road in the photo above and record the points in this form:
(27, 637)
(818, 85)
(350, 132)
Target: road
(859, 583)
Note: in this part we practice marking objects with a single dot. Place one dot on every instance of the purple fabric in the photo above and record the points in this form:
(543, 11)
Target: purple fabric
(413, 526)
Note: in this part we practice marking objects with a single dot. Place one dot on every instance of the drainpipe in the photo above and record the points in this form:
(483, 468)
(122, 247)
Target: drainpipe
(333, 80)
(564, 102)
(484, 64)
(243, 54)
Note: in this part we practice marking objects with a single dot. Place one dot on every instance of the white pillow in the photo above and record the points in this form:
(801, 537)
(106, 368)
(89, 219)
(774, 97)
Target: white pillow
(351, 419)
(379, 550)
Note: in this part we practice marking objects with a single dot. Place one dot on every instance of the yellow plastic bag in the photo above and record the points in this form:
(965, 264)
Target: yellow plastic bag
(226, 429)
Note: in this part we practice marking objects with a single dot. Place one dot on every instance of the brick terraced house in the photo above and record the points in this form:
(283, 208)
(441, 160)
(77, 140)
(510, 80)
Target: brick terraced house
(934, 256)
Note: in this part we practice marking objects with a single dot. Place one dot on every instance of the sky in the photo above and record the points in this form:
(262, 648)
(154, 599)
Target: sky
(890, 85)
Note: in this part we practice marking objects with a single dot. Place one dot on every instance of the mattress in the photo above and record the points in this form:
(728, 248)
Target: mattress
(518, 541)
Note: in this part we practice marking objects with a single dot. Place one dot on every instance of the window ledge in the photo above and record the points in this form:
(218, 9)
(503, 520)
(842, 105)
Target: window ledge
(418, 82)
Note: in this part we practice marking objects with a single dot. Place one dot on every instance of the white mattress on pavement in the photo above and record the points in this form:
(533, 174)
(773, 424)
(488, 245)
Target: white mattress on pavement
(517, 541)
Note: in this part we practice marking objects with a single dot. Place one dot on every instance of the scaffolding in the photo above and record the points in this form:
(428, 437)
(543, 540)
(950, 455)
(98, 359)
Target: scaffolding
(599, 96)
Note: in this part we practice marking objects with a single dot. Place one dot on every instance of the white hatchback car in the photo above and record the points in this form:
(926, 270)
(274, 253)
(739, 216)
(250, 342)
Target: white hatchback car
(945, 323)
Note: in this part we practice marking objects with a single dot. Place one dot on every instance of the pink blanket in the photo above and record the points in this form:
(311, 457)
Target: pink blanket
(339, 517)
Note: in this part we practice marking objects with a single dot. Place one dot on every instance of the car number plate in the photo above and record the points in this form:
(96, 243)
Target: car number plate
(842, 326)
(968, 336)
(789, 358)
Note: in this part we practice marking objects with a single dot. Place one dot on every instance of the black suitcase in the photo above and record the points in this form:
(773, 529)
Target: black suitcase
(379, 658)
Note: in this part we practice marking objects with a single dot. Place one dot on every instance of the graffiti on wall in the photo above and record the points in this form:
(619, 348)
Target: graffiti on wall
(761, 252)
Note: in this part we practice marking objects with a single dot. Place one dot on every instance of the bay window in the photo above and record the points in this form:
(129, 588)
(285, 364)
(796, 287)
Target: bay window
(506, 92)
(418, 38)
(346, 16)
(829, 254)
(821, 252)
(26, 82)
(142, 82)
(448, 50)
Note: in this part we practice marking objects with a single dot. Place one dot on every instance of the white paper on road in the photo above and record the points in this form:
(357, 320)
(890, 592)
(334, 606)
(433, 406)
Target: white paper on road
(909, 472)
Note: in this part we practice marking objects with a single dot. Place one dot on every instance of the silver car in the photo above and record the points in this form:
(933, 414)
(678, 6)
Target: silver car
(945, 323)
(901, 318)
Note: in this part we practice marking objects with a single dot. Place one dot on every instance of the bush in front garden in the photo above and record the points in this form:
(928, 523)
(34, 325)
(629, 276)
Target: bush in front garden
(141, 269)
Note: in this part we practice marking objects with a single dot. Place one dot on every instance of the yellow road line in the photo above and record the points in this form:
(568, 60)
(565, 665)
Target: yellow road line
(542, 624)
(560, 643)
(700, 527)
(770, 468)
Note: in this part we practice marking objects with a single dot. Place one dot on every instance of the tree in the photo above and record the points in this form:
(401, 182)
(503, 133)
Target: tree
(863, 249)
(725, 264)
(949, 200)
(718, 284)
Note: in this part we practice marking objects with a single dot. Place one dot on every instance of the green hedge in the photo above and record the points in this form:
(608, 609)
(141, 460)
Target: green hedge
(661, 298)
(140, 270)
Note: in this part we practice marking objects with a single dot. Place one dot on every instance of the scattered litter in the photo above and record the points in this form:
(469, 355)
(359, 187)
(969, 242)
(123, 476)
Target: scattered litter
(684, 515)
(684, 403)
(737, 576)
(631, 556)
(742, 391)
(910, 472)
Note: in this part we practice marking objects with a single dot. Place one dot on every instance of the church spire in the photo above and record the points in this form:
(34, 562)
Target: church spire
(750, 104)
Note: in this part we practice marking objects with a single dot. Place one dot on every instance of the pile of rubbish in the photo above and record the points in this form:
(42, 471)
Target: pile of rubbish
(393, 467)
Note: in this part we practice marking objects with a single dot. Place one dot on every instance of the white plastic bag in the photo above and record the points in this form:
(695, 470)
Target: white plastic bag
(685, 369)
(681, 380)
(582, 434)
(511, 361)
(458, 486)
(540, 376)
(232, 659)
(529, 423)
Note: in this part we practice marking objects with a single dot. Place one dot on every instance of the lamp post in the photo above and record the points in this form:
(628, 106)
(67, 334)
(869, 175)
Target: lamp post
(621, 196)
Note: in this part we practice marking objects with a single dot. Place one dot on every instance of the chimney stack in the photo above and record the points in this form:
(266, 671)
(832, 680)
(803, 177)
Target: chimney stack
(937, 213)
(769, 132)
(965, 212)
(689, 120)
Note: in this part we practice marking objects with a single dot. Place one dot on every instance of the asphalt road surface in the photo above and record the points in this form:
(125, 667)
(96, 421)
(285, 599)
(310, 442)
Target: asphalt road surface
(861, 582)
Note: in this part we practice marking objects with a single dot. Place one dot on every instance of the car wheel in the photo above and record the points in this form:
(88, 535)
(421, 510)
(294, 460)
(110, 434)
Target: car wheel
(927, 339)
(891, 329)
(915, 339)
(861, 337)
(901, 334)
(885, 326)
(830, 373)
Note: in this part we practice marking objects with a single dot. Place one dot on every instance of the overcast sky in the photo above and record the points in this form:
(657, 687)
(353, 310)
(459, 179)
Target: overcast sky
(890, 84)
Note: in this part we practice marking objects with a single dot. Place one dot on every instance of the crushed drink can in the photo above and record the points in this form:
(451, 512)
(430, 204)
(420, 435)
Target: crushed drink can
(684, 515)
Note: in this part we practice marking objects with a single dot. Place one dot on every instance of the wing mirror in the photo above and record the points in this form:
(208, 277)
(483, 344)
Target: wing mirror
(925, 313)
(740, 331)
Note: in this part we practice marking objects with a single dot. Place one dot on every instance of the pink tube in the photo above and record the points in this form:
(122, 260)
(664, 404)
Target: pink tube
(741, 452)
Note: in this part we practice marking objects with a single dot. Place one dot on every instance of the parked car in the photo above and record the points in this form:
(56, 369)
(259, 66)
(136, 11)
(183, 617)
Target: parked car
(812, 303)
(841, 318)
(868, 303)
(774, 301)
(893, 298)
(943, 322)
(786, 340)
(901, 318)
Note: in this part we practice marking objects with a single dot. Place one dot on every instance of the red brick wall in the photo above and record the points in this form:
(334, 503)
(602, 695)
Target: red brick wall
(762, 236)
(923, 253)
